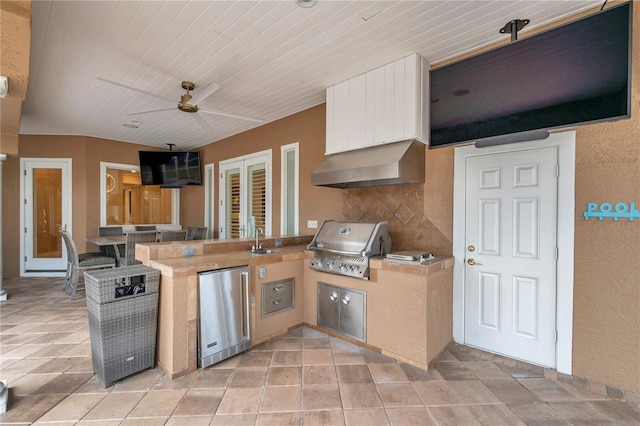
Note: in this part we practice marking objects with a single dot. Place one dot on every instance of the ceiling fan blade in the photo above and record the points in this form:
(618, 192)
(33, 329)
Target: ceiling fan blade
(134, 89)
(203, 123)
(200, 94)
(151, 110)
(228, 114)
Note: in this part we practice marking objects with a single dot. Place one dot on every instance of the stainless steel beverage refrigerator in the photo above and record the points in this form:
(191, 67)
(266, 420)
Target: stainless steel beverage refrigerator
(224, 322)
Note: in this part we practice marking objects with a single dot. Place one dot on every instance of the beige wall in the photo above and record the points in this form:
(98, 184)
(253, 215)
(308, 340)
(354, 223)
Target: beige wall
(607, 253)
(606, 335)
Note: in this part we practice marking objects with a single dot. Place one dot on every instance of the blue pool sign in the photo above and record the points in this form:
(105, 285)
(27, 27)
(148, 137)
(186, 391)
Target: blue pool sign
(620, 210)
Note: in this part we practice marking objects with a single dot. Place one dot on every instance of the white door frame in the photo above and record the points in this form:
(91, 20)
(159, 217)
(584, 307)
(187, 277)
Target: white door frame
(284, 178)
(565, 142)
(67, 208)
(242, 162)
(209, 197)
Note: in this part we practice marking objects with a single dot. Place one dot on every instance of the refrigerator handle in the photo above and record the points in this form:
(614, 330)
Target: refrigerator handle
(245, 299)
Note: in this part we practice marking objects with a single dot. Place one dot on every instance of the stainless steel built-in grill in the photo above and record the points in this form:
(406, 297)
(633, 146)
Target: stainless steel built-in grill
(345, 248)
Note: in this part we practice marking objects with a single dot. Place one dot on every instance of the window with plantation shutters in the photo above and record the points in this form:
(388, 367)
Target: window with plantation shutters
(233, 203)
(245, 196)
(257, 195)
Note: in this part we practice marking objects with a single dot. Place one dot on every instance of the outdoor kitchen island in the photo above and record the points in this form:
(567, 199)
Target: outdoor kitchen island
(409, 312)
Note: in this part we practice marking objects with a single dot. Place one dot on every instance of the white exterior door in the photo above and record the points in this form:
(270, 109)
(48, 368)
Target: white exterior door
(46, 191)
(510, 259)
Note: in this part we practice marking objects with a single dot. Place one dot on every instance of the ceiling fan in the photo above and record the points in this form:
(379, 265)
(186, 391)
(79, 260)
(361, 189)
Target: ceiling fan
(187, 102)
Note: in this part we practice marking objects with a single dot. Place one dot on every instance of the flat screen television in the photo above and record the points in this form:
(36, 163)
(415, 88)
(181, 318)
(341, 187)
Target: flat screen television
(574, 74)
(170, 169)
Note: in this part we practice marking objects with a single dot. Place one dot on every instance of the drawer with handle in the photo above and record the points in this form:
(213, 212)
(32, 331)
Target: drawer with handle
(277, 288)
(277, 296)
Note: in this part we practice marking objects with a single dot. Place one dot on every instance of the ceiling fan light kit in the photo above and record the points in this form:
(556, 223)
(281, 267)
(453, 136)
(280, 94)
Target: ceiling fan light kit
(306, 3)
(184, 104)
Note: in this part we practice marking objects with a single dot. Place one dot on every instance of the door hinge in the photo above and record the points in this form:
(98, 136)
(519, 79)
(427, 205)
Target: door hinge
(557, 253)
(25, 172)
(25, 201)
(25, 230)
(557, 170)
(555, 336)
(25, 258)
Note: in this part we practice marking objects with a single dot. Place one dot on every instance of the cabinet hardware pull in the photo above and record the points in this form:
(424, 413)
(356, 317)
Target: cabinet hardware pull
(279, 287)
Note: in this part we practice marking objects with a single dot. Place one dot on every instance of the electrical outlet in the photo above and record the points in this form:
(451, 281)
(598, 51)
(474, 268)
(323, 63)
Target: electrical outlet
(262, 272)
(312, 224)
(189, 251)
(277, 243)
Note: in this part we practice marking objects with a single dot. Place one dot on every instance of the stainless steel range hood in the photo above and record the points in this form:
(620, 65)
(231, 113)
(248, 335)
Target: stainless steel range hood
(387, 164)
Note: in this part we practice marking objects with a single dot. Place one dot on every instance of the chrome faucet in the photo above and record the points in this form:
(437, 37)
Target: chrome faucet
(258, 245)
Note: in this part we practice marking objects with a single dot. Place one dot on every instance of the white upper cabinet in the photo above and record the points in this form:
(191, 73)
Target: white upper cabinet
(388, 104)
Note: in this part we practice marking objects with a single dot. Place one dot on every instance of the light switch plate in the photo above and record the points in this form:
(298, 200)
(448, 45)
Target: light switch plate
(312, 224)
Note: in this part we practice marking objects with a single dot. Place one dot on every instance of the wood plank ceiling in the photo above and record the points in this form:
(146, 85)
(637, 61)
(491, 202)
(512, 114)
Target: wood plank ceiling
(270, 58)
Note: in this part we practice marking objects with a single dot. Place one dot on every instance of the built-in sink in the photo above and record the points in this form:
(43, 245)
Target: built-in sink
(264, 251)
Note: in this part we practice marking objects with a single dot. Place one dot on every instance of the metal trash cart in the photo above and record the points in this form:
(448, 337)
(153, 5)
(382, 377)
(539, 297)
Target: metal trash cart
(123, 311)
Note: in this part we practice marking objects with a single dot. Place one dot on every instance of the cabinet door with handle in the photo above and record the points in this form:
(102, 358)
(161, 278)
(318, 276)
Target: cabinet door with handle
(353, 314)
(329, 306)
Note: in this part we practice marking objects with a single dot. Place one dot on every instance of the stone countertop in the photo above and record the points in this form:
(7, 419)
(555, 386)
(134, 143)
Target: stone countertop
(427, 267)
(186, 265)
(218, 254)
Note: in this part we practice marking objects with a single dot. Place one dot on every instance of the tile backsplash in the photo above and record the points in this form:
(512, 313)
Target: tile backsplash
(402, 206)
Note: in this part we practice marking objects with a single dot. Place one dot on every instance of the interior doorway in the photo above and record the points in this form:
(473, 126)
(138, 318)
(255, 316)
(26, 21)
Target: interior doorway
(46, 193)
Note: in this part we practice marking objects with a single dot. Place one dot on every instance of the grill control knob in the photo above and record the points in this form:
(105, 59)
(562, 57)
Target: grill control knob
(343, 266)
(318, 262)
(330, 264)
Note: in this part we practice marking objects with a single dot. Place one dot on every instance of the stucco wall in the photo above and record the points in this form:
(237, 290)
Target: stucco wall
(607, 253)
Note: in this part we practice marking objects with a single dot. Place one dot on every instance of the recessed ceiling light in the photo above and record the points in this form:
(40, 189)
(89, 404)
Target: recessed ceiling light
(306, 3)
(133, 124)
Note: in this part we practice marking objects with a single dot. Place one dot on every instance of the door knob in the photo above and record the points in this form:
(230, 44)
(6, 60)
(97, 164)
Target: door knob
(473, 262)
(471, 248)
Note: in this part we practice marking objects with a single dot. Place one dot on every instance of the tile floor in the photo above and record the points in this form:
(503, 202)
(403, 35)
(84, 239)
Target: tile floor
(303, 377)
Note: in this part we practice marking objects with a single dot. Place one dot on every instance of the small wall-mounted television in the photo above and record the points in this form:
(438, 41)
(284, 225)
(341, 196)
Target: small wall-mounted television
(170, 169)
(574, 74)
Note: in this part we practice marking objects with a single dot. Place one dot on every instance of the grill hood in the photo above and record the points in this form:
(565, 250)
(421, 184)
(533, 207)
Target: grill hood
(387, 164)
